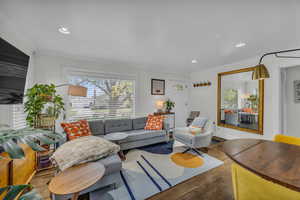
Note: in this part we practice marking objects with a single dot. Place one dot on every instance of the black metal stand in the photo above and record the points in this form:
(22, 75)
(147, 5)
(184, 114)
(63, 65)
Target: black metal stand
(200, 154)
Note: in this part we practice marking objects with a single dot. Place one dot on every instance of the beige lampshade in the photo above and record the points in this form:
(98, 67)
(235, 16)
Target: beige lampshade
(76, 90)
(260, 72)
(159, 104)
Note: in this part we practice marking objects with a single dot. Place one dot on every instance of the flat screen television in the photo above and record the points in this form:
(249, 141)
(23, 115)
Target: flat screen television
(13, 71)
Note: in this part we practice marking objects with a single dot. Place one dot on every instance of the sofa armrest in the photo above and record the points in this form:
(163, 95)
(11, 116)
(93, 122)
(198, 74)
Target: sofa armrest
(202, 140)
(181, 129)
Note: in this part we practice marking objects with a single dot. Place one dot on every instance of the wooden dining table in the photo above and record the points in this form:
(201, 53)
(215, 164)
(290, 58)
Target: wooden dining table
(273, 161)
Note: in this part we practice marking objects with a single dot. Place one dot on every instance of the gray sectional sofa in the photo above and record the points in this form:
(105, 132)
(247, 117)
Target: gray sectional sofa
(134, 128)
(137, 137)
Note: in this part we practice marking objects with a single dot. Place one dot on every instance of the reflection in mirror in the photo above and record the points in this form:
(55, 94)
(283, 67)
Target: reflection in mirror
(239, 101)
(239, 105)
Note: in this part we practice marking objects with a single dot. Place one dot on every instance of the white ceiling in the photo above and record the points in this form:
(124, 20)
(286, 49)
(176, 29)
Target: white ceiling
(158, 34)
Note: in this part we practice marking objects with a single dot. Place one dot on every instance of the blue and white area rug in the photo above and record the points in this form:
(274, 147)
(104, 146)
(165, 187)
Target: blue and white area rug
(150, 170)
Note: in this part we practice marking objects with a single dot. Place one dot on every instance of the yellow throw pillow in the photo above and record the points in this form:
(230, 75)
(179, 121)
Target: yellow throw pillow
(195, 130)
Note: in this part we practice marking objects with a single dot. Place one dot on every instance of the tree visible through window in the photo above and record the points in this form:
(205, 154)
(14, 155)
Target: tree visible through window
(107, 98)
(230, 98)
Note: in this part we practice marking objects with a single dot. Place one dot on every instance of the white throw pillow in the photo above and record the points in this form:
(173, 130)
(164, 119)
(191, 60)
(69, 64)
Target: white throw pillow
(82, 150)
(199, 122)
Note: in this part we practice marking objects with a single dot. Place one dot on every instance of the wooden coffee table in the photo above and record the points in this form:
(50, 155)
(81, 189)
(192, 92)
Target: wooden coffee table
(76, 179)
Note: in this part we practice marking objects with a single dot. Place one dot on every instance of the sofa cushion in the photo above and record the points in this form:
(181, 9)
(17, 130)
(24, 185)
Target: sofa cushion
(118, 125)
(97, 127)
(142, 134)
(139, 123)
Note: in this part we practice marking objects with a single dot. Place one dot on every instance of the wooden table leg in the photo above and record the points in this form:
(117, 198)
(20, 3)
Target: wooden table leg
(75, 196)
(121, 155)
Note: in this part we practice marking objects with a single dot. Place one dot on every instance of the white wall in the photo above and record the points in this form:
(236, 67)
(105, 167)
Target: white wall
(51, 68)
(204, 99)
(14, 37)
(292, 108)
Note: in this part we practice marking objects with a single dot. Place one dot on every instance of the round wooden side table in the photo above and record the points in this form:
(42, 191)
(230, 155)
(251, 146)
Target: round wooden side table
(116, 138)
(76, 179)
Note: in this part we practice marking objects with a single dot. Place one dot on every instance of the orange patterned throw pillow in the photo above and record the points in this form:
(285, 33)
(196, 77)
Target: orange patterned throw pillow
(154, 122)
(76, 129)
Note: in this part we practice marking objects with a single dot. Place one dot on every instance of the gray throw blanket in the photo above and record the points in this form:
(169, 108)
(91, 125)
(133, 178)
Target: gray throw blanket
(82, 150)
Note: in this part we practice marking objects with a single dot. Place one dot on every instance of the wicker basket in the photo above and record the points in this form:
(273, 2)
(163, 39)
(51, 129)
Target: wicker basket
(45, 121)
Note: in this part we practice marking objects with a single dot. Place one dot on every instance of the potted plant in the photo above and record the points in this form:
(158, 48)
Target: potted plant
(254, 102)
(169, 105)
(9, 140)
(37, 98)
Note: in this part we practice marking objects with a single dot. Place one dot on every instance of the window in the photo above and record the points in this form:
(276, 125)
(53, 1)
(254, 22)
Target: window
(230, 99)
(107, 98)
(18, 117)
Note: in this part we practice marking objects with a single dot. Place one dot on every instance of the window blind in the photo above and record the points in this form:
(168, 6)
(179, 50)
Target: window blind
(107, 98)
(18, 116)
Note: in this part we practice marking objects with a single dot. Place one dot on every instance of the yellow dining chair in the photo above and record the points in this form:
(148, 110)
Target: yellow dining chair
(249, 186)
(287, 139)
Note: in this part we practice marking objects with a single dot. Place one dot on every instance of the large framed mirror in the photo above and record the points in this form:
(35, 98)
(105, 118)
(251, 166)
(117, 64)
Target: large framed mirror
(240, 101)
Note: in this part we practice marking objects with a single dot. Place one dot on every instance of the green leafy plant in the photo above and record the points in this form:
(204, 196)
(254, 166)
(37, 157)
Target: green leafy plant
(12, 191)
(36, 99)
(254, 101)
(169, 105)
(9, 141)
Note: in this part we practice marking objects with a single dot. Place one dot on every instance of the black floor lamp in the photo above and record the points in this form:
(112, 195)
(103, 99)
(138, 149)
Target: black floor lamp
(261, 72)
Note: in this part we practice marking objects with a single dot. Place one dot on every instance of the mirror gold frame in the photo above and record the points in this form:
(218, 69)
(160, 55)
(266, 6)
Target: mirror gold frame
(260, 106)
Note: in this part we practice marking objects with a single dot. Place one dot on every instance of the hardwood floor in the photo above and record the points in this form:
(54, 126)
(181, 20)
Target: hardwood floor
(212, 185)
(40, 182)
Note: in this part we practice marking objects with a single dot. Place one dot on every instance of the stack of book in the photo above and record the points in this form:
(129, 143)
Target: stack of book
(44, 160)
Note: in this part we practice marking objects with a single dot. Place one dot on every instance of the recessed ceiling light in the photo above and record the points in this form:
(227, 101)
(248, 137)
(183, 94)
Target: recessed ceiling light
(241, 44)
(194, 61)
(64, 30)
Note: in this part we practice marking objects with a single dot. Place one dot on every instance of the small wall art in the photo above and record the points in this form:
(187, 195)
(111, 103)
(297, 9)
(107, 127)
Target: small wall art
(297, 91)
(157, 87)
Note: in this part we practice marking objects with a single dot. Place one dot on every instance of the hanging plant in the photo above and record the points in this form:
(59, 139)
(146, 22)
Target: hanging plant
(36, 99)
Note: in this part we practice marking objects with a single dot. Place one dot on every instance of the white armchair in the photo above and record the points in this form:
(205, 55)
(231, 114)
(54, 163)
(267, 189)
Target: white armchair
(194, 142)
